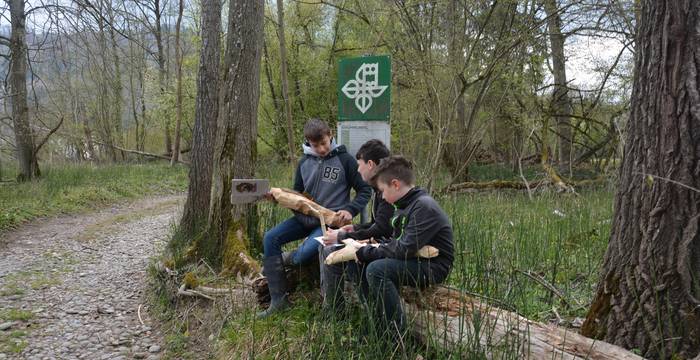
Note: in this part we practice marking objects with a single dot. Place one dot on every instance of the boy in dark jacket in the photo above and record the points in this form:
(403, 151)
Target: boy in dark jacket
(418, 221)
(326, 172)
(369, 156)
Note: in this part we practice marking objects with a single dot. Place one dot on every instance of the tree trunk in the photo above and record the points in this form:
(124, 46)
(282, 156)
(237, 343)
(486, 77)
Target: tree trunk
(648, 296)
(132, 95)
(453, 155)
(284, 80)
(235, 151)
(561, 104)
(116, 83)
(141, 141)
(206, 113)
(162, 70)
(106, 125)
(24, 136)
(178, 91)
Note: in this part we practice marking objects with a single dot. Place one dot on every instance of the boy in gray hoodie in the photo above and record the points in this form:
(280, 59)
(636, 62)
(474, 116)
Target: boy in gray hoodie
(326, 172)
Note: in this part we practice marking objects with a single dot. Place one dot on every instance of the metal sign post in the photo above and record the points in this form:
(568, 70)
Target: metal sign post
(364, 103)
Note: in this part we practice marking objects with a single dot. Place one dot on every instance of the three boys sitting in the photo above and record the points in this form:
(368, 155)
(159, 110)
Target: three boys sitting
(405, 218)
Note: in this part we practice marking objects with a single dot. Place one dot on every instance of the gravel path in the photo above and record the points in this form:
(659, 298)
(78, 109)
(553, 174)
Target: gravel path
(71, 287)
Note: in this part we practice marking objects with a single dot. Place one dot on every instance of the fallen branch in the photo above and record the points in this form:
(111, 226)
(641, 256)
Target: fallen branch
(142, 153)
(185, 292)
(494, 184)
(538, 279)
(138, 312)
(517, 185)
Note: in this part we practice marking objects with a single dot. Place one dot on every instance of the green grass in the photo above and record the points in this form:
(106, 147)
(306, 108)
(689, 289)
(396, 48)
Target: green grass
(560, 238)
(13, 343)
(75, 188)
(302, 333)
(16, 314)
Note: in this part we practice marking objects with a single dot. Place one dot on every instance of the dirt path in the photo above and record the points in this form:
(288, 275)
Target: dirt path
(71, 287)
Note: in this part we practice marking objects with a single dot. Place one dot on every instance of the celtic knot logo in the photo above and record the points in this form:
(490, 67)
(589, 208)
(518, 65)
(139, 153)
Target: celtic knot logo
(365, 87)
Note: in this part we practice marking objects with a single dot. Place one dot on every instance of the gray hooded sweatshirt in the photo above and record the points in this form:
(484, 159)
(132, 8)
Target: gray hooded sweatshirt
(328, 181)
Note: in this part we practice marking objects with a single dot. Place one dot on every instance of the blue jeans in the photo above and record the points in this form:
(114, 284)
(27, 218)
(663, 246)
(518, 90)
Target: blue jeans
(385, 277)
(288, 231)
(334, 276)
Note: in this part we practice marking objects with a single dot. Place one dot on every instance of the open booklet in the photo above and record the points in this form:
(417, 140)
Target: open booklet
(320, 239)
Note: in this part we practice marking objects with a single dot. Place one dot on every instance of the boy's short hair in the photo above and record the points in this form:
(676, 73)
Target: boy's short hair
(394, 167)
(374, 150)
(316, 129)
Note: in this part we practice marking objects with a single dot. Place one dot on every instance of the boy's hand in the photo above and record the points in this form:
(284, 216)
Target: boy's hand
(348, 228)
(344, 215)
(331, 237)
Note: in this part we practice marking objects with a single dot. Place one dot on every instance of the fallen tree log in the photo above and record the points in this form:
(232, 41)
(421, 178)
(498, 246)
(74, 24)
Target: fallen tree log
(517, 185)
(449, 319)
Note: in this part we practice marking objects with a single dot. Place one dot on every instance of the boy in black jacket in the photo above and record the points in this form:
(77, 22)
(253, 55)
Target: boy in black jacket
(326, 172)
(369, 156)
(418, 221)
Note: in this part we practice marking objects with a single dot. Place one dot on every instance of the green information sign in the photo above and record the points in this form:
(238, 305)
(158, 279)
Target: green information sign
(364, 88)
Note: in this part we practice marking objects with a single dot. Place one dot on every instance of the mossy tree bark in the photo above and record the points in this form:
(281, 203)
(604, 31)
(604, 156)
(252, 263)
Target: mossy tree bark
(235, 149)
(648, 296)
(206, 113)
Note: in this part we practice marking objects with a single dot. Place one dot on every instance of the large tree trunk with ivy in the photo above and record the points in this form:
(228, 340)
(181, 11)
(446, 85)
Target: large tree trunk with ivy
(648, 297)
(206, 113)
(235, 151)
(24, 136)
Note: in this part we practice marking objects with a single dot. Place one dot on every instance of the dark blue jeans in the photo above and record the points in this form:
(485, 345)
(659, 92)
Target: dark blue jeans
(288, 231)
(385, 277)
(334, 276)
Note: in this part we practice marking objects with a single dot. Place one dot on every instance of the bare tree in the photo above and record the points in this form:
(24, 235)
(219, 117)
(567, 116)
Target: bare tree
(178, 102)
(648, 296)
(206, 114)
(24, 136)
(561, 103)
(284, 78)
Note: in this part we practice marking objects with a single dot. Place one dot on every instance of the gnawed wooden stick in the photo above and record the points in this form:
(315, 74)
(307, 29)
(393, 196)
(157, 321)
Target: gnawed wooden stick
(297, 202)
(351, 246)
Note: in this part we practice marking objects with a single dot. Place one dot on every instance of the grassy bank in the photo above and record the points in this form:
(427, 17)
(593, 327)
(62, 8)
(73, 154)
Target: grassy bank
(75, 188)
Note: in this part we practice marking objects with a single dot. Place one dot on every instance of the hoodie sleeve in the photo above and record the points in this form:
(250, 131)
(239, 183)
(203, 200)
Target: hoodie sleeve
(421, 227)
(298, 180)
(362, 189)
(381, 227)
